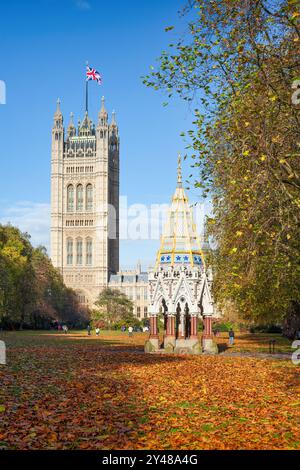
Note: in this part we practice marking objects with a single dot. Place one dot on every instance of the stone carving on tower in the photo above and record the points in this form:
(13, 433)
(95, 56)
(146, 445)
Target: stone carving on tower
(179, 284)
(85, 202)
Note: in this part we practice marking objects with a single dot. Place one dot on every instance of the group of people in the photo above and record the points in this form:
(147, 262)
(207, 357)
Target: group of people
(135, 329)
(130, 329)
(63, 328)
(89, 330)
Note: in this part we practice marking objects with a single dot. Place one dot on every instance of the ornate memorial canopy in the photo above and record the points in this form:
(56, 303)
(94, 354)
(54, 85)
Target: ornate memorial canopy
(179, 287)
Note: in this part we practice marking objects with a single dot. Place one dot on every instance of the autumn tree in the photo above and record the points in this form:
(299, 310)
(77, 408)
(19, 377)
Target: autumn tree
(239, 65)
(113, 307)
(17, 275)
(32, 291)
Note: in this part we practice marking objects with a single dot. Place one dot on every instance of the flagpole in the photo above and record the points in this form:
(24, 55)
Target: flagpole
(86, 92)
(86, 96)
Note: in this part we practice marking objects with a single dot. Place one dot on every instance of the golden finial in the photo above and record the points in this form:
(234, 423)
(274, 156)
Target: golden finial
(179, 174)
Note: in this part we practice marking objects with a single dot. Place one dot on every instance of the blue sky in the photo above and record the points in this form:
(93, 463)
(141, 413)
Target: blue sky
(44, 47)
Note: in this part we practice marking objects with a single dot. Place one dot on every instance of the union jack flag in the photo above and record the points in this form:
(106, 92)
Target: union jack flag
(92, 74)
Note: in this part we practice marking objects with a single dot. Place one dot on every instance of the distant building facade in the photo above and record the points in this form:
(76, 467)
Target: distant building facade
(135, 285)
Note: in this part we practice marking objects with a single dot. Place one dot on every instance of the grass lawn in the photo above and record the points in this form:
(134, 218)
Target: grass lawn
(77, 392)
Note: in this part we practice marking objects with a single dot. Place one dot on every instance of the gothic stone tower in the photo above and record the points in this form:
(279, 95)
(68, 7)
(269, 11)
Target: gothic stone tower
(85, 202)
(179, 284)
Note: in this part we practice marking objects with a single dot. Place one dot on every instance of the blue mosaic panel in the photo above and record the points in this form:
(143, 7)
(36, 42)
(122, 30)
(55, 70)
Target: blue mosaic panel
(197, 259)
(180, 258)
(165, 259)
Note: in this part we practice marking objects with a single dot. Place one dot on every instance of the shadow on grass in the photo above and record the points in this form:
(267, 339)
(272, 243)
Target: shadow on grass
(222, 347)
(79, 396)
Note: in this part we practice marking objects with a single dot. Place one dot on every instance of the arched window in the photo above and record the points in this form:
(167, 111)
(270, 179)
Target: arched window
(89, 251)
(69, 251)
(79, 251)
(89, 197)
(70, 198)
(79, 199)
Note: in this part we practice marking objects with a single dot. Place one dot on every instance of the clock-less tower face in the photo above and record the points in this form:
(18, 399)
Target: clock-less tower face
(85, 203)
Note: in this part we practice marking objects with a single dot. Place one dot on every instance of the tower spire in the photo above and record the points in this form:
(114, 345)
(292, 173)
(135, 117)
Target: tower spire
(71, 128)
(103, 104)
(58, 112)
(179, 173)
(103, 114)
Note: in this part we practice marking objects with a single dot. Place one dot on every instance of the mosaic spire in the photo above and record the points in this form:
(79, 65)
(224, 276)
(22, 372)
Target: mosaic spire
(180, 243)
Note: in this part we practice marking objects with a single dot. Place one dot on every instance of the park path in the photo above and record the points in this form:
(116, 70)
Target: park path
(258, 355)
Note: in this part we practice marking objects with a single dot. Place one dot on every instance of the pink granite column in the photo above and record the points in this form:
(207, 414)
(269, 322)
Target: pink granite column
(194, 327)
(170, 325)
(153, 327)
(207, 332)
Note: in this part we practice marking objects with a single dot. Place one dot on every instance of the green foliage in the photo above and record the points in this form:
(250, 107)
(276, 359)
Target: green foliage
(266, 329)
(114, 308)
(129, 321)
(226, 326)
(32, 292)
(238, 63)
(145, 322)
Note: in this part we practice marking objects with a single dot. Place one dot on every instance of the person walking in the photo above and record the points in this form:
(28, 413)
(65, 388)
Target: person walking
(89, 330)
(130, 330)
(231, 337)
